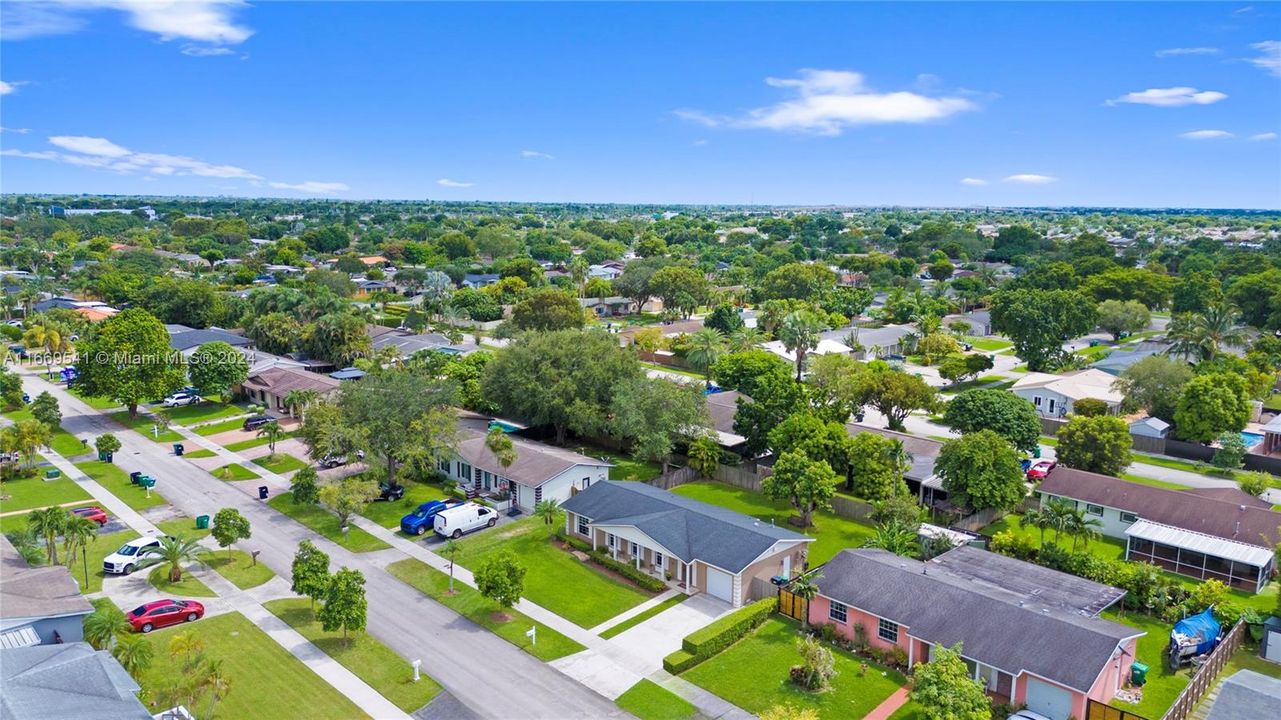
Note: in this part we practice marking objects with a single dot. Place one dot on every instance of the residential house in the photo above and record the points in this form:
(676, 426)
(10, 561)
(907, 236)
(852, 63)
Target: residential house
(1246, 695)
(347, 373)
(1053, 395)
(270, 387)
(1205, 533)
(609, 270)
(824, 347)
(540, 471)
(480, 280)
(1030, 634)
(186, 339)
(669, 330)
(38, 605)
(923, 452)
(610, 306)
(980, 322)
(409, 343)
(92, 309)
(67, 681)
(701, 548)
(1120, 360)
(874, 343)
(723, 406)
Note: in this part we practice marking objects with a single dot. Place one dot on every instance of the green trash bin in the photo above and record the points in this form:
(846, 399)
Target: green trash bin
(1138, 674)
(202, 522)
(51, 474)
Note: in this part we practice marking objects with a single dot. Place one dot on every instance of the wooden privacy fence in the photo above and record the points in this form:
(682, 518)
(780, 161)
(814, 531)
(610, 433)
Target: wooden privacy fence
(792, 605)
(1095, 710)
(672, 478)
(1205, 676)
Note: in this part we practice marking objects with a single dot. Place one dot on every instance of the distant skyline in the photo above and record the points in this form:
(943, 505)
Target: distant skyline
(914, 104)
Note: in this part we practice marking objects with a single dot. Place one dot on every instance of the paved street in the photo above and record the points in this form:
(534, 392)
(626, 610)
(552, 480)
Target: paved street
(465, 658)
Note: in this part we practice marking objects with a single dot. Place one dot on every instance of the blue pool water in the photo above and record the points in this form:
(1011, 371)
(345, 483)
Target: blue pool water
(1251, 439)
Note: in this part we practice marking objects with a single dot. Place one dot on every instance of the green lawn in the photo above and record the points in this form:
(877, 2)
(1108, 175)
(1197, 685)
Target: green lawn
(62, 442)
(143, 425)
(188, 586)
(280, 463)
(370, 660)
(97, 403)
(1163, 686)
(642, 617)
(253, 442)
(239, 568)
(201, 453)
(625, 467)
(116, 481)
(101, 547)
(571, 588)
(833, 533)
(219, 427)
(326, 523)
(1273, 402)
(235, 471)
(910, 711)
(388, 514)
(1020, 368)
(753, 674)
(182, 527)
(469, 603)
(203, 412)
(36, 492)
(1131, 477)
(266, 681)
(1104, 547)
(989, 344)
(1175, 464)
(649, 701)
(972, 384)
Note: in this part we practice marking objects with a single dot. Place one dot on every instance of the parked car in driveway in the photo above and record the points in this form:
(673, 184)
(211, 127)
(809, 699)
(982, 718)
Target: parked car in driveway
(93, 512)
(423, 518)
(1040, 469)
(125, 560)
(181, 398)
(333, 461)
(255, 422)
(455, 521)
(163, 613)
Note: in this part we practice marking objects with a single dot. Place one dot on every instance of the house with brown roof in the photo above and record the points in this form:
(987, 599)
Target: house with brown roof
(269, 387)
(723, 406)
(1210, 533)
(540, 471)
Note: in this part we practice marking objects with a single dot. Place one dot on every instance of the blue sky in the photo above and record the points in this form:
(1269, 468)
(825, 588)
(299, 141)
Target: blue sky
(1151, 104)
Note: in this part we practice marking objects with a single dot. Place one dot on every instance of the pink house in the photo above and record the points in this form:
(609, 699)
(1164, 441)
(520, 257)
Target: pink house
(1031, 634)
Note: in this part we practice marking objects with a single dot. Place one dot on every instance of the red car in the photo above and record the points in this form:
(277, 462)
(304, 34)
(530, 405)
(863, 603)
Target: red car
(1040, 469)
(94, 513)
(162, 613)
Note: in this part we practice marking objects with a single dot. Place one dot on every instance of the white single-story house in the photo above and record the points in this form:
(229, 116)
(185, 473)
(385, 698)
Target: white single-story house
(980, 321)
(700, 548)
(824, 347)
(540, 471)
(876, 342)
(1053, 395)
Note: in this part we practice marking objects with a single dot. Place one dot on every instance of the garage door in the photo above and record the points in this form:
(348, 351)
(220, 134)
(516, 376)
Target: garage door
(1051, 701)
(720, 584)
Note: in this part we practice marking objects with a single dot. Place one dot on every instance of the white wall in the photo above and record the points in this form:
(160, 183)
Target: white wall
(1113, 525)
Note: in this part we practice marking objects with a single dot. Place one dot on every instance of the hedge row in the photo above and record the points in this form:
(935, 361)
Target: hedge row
(713, 639)
(602, 558)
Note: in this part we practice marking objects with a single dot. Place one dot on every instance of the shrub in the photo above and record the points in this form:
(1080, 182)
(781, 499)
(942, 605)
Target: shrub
(575, 542)
(1090, 407)
(642, 580)
(1016, 546)
(817, 667)
(707, 642)
(897, 657)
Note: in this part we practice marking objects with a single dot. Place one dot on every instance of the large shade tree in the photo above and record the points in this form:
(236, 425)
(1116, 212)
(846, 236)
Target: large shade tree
(128, 359)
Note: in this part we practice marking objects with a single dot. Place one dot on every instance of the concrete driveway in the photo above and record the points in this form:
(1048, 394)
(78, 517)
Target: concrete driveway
(661, 635)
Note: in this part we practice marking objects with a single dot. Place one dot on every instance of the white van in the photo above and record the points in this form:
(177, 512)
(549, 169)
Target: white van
(455, 521)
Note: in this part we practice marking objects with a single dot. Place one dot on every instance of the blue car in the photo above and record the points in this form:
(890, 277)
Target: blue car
(421, 520)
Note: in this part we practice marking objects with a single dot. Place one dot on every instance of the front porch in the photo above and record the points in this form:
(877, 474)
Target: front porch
(626, 545)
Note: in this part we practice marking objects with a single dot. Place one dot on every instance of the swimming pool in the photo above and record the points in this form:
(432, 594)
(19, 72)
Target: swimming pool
(1251, 439)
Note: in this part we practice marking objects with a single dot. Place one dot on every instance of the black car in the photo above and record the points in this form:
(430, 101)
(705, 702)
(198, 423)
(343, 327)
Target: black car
(390, 492)
(257, 421)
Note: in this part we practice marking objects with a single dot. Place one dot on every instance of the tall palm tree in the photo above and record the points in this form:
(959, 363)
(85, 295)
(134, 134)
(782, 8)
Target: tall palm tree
(1079, 527)
(134, 653)
(216, 682)
(1057, 512)
(273, 432)
(705, 347)
(49, 524)
(799, 333)
(104, 625)
(77, 534)
(806, 588)
(298, 400)
(1201, 336)
(547, 509)
(174, 551)
(500, 444)
(744, 339)
(10, 303)
(1038, 518)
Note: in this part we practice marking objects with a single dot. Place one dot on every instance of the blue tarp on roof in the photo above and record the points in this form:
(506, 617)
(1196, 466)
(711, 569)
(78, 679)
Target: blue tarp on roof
(1203, 628)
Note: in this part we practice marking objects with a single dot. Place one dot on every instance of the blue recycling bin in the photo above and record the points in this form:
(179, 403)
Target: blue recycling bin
(134, 476)
(177, 449)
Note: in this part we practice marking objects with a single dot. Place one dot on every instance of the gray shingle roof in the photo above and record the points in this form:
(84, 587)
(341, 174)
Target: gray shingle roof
(1246, 695)
(535, 463)
(689, 529)
(188, 339)
(924, 451)
(66, 681)
(39, 592)
(1012, 628)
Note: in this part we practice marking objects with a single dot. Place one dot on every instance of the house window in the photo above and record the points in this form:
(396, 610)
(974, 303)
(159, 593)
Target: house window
(1051, 406)
(1129, 517)
(1037, 401)
(838, 612)
(887, 630)
(488, 477)
(658, 560)
(1094, 509)
(635, 549)
(587, 482)
(582, 525)
(609, 539)
(538, 494)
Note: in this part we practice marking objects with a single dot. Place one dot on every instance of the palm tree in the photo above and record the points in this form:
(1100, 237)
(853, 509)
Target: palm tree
(273, 432)
(501, 445)
(299, 400)
(1202, 336)
(1038, 518)
(104, 625)
(29, 436)
(744, 339)
(77, 534)
(578, 273)
(49, 524)
(799, 333)
(174, 551)
(451, 549)
(28, 546)
(1079, 527)
(805, 587)
(547, 509)
(896, 537)
(1057, 512)
(134, 653)
(10, 303)
(705, 347)
(217, 682)
(190, 646)
(927, 323)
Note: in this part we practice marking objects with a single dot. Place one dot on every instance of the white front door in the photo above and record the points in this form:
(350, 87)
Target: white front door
(720, 584)
(787, 567)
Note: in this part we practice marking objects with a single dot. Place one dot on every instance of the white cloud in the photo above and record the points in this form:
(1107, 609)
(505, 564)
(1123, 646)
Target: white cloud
(1263, 137)
(10, 87)
(826, 102)
(699, 142)
(1170, 52)
(88, 145)
(209, 21)
(312, 186)
(1269, 59)
(446, 182)
(203, 51)
(20, 131)
(973, 182)
(1243, 11)
(1205, 135)
(1030, 179)
(1171, 97)
(536, 155)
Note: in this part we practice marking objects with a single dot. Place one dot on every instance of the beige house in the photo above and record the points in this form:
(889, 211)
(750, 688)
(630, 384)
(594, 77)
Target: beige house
(1053, 395)
(269, 387)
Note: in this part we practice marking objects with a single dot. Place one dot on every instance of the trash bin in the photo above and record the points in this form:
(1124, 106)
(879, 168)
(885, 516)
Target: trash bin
(52, 473)
(262, 492)
(102, 456)
(133, 477)
(1138, 674)
(202, 522)
(147, 481)
(1037, 452)
(110, 457)
(177, 448)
